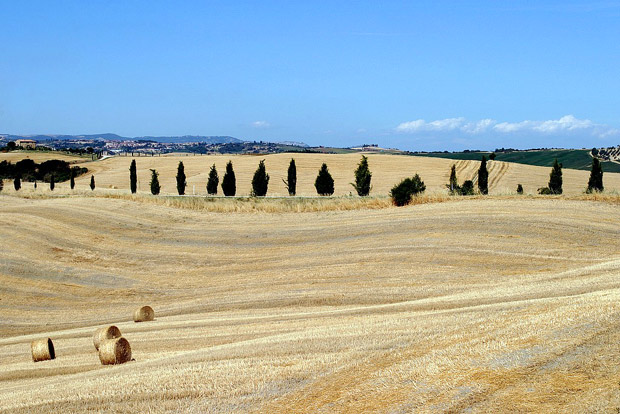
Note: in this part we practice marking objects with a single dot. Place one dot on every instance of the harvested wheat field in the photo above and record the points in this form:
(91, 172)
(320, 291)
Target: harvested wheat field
(39, 157)
(388, 170)
(499, 304)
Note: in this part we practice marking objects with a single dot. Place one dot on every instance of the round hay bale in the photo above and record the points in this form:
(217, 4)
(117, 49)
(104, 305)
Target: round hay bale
(145, 313)
(114, 351)
(101, 334)
(42, 350)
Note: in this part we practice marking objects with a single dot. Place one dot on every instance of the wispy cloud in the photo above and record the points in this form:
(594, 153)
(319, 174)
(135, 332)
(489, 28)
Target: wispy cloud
(261, 124)
(563, 125)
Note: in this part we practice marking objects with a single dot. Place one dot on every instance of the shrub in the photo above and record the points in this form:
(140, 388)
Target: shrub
(155, 187)
(92, 182)
(492, 156)
(229, 182)
(133, 177)
(401, 193)
(181, 183)
(324, 182)
(260, 181)
(483, 177)
(467, 188)
(213, 181)
(519, 189)
(362, 178)
(544, 191)
(595, 183)
(291, 178)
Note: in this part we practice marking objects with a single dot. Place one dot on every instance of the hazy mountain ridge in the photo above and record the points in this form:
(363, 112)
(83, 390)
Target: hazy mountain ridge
(210, 139)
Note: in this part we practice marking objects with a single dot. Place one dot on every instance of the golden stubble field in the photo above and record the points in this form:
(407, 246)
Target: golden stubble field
(481, 305)
(113, 173)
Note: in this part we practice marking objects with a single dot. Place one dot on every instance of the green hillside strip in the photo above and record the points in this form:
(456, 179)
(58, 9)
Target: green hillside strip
(571, 158)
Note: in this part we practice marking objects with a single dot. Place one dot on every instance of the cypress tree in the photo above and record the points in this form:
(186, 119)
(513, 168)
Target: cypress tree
(72, 179)
(229, 182)
(519, 189)
(595, 183)
(483, 177)
(291, 178)
(555, 178)
(155, 187)
(213, 181)
(92, 182)
(453, 186)
(17, 183)
(362, 178)
(52, 182)
(260, 181)
(1, 184)
(181, 183)
(35, 184)
(324, 182)
(133, 177)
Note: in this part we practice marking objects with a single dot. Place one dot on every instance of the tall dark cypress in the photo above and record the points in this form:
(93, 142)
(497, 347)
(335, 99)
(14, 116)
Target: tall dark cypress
(555, 178)
(595, 183)
(229, 182)
(181, 183)
(213, 181)
(52, 182)
(483, 177)
(362, 178)
(291, 178)
(324, 182)
(453, 186)
(133, 177)
(260, 181)
(72, 179)
(17, 183)
(155, 187)
(92, 182)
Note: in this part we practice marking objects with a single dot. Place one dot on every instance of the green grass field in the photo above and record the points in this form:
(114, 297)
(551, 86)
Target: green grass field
(570, 158)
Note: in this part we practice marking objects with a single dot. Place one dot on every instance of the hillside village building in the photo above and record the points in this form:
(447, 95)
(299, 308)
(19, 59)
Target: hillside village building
(26, 143)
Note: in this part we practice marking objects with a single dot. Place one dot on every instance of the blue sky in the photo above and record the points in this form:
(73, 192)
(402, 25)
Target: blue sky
(418, 75)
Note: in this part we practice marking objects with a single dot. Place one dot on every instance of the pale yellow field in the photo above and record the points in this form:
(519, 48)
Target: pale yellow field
(39, 157)
(479, 305)
(387, 171)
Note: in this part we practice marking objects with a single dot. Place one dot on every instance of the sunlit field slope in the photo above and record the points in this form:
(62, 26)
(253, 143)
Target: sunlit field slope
(387, 171)
(479, 305)
(41, 156)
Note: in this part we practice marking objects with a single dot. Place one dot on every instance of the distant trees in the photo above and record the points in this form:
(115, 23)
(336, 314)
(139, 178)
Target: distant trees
(181, 182)
(92, 183)
(229, 182)
(17, 183)
(260, 181)
(362, 178)
(291, 178)
(213, 181)
(133, 177)
(155, 187)
(324, 182)
(72, 179)
(52, 183)
(403, 192)
(595, 183)
(483, 177)
(492, 156)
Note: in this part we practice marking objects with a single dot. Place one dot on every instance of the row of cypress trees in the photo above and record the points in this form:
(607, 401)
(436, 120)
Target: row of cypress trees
(324, 182)
(17, 182)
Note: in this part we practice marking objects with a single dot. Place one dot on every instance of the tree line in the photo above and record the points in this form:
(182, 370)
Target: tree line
(401, 194)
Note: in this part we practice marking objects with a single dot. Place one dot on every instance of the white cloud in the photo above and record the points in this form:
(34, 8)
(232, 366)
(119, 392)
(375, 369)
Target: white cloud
(261, 124)
(566, 124)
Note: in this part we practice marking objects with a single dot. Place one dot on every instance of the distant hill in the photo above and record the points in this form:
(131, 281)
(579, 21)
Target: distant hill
(570, 158)
(211, 139)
